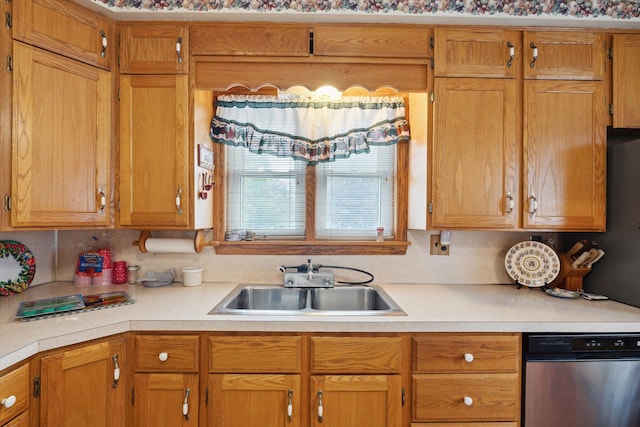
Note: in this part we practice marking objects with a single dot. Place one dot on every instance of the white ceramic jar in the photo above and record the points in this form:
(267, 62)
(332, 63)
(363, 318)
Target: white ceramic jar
(192, 276)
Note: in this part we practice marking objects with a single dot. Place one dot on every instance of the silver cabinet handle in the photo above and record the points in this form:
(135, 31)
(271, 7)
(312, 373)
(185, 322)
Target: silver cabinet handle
(512, 53)
(103, 52)
(290, 404)
(116, 371)
(103, 199)
(533, 46)
(178, 201)
(179, 49)
(509, 204)
(320, 408)
(185, 404)
(533, 205)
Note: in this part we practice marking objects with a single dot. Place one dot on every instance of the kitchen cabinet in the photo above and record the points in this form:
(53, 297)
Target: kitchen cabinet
(626, 80)
(563, 55)
(564, 148)
(255, 381)
(155, 162)
(61, 141)
(65, 28)
(154, 48)
(466, 378)
(85, 385)
(166, 382)
(14, 397)
(356, 381)
(5, 121)
(552, 122)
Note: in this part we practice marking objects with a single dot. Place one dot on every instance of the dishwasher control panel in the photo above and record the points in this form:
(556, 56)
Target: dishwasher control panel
(567, 344)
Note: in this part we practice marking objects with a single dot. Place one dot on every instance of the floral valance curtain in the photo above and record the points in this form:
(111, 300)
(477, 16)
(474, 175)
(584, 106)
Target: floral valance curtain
(310, 130)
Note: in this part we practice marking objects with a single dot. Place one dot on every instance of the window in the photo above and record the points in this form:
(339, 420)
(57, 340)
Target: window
(299, 207)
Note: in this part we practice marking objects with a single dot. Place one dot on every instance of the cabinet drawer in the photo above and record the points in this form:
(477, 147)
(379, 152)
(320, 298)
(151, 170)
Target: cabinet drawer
(466, 397)
(461, 353)
(255, 354)
(356, 355)
(166, 353)
(14, 385)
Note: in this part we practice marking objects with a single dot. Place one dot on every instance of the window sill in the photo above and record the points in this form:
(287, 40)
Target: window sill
(291, 247)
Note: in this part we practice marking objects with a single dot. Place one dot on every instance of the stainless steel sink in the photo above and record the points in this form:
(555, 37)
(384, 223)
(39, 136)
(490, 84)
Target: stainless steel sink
(277, 300)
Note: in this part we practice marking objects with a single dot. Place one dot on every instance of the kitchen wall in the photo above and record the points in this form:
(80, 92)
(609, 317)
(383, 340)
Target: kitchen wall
(475, 257)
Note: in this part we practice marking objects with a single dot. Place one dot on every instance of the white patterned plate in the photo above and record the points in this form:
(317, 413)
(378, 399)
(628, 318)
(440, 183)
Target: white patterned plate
(532, 264)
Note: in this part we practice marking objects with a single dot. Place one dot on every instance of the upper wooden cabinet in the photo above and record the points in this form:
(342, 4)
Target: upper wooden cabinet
(154, 48)
(6, 89)
(371, 41)
(66, 28)
(155, 161)
(569, 55)
(475, 153)
(476, 52)
(564, 148)
(626, 80)
(61, 141)
(251, 39)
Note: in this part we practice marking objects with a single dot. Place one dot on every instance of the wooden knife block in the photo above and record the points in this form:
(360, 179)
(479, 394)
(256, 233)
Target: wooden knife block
(569, 278)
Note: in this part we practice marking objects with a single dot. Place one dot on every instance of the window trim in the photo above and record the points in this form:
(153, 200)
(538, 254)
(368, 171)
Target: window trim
(311, 245)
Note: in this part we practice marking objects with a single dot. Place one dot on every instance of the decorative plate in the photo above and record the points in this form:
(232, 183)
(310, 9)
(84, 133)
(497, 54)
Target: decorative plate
(15, 280)
(532, 264)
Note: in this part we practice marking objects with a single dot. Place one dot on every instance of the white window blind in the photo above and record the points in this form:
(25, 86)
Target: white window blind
(265, 194)
(355, 196)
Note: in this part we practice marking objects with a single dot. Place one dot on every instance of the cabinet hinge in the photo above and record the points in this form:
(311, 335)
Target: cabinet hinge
(404, 397)
(430, 207)
(610, 53)
(311, 42)
(206, 395)
(7, 202)
(118, 205)
(9, 63)
(118, 94)
(611, 109)
(36, 386)
(8, 20)
(432, 97)
(133, 395)
(431, 61)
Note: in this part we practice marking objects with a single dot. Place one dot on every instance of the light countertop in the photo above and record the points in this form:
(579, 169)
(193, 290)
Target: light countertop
(429, 308)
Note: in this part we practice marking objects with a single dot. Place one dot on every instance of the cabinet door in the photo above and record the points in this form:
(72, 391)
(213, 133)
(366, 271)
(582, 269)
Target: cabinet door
(254, 400)
(356, 400)
(626, 80)
(564, 155)
(476, 52)
(5, 122)
(251, 39)
(21, 420)
(14, 386)
(154, 151)
(66, 28)
(371, 41)
(61, 141)
(84, 386)
(166, 400)
(574, 55)
(474, 154)
(154, 49)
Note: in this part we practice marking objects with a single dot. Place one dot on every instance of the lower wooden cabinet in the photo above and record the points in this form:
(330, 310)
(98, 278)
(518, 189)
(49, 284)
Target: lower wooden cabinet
(85, 386)
(14, 397)
(467, 380)
(169, 400)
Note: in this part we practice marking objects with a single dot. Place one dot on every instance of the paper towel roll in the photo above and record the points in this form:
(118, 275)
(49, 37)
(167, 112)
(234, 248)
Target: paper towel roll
(169, 246)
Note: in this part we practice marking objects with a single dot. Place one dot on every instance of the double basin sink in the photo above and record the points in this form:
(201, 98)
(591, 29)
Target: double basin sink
(278, 300)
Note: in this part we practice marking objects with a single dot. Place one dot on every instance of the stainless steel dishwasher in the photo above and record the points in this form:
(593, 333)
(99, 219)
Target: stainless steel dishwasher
(582, 380)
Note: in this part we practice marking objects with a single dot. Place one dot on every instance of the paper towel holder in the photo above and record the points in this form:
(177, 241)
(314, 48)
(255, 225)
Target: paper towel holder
(199, 242)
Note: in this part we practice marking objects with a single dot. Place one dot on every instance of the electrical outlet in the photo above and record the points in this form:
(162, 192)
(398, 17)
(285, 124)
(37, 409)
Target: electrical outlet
(436, 247)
